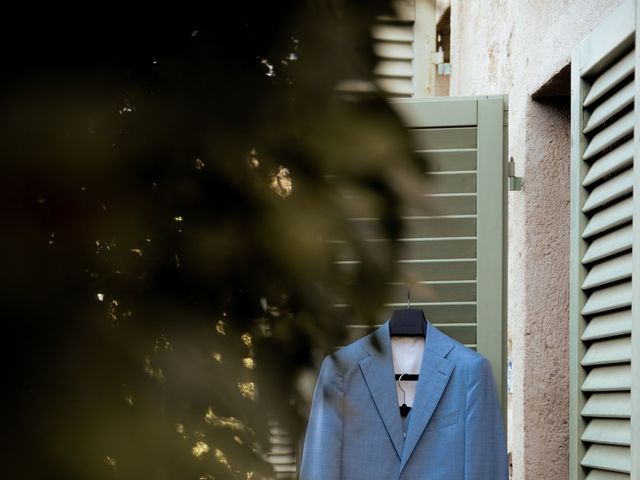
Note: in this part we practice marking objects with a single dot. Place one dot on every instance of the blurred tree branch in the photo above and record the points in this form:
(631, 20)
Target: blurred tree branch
(172, 180)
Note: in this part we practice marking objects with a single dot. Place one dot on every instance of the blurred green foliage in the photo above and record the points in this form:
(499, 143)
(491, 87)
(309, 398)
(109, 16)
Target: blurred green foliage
(171, 180)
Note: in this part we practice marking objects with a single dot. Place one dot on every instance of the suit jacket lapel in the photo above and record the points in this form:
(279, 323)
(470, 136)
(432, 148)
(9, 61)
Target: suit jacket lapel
(434, 375)
(378, 372)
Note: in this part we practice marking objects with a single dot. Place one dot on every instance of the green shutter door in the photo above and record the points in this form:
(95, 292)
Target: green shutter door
(602, 233)
(459, 254)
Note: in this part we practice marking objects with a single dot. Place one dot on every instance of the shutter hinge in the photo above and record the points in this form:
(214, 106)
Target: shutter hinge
(515, 183)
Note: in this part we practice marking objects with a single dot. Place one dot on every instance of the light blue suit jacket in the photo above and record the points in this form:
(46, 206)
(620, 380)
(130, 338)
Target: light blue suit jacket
(455, 430)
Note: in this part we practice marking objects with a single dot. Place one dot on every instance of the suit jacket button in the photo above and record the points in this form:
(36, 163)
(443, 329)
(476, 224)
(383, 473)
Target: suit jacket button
(404, 434)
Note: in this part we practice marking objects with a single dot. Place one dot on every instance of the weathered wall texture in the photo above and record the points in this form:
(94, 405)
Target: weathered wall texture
(513, 47)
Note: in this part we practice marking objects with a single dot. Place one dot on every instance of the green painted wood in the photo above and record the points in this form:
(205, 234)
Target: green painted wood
(609, 135)
(609, 378)
(464, 144)
(610, 38)
(603, 475)
(608, 325)
(617, 241)
(449, 159)
(611, 162)
(614, 350)
(608, 405)
(412, 248)
(441, 137)
(492, 238)
(437, 112)
(604, 400)
(608, 298)
(612, 105)
(608, 271)
(577, 272)
(608, 431)
(423, 270)
(613, 188)
(621, 70)
(608, 457)
(445, 291)
(617, 214)
(635, 312)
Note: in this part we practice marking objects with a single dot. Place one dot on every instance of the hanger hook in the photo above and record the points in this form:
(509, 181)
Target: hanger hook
(404, 394)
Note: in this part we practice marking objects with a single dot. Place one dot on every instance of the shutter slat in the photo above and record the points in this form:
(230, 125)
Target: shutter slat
(463, 332)
(608, 405)
(608, 351)
(454, 291)
(393, 51)
(612, 105)
(601, 300)
(608, 457)
(609, 135)
(610, 78)
(281, 450)
(449, 159)
(608, 325)
(394, 68)
(608, 431)
(280, 469)
(440, 138)
(395, 86)
(452, 202)
(281, 454)
(613, 188)
(451, 314)
(392, 38)
(603, 475)
(612, 216)
(603, 178)
(420, 226)
(281, 459)
(608, 271)
(610, 162)
(610, 378)
(451, 269)
(451, 182)
(613, 242)
(411, 248)
(438, 247)
(392, 33)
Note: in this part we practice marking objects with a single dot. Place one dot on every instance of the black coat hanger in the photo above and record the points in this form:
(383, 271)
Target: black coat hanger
(404, 408)
(408, 321)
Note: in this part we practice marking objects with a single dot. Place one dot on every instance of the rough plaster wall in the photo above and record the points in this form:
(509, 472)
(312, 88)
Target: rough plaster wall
(513, 47)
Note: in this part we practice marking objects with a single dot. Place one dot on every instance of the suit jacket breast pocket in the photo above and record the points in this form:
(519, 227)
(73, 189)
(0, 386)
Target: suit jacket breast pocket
(443, 420)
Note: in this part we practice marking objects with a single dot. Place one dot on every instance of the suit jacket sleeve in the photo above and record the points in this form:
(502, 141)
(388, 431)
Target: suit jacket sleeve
(322, 449)
(485, 446)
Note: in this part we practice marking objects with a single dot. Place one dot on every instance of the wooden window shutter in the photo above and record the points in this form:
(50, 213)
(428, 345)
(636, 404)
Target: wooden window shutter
(604, 219)
(393, 38)
(459, 255)
(462, 252)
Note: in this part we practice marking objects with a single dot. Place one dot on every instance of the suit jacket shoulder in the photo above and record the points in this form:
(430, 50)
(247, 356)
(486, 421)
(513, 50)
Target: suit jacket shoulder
(346, 358)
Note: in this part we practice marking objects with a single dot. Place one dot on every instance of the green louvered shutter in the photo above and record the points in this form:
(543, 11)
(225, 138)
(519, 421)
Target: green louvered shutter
(281, 453)
(393, 38)
(458, 256)
(603, 389)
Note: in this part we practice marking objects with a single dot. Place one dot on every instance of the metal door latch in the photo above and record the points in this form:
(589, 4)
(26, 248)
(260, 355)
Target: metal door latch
(515, 183)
